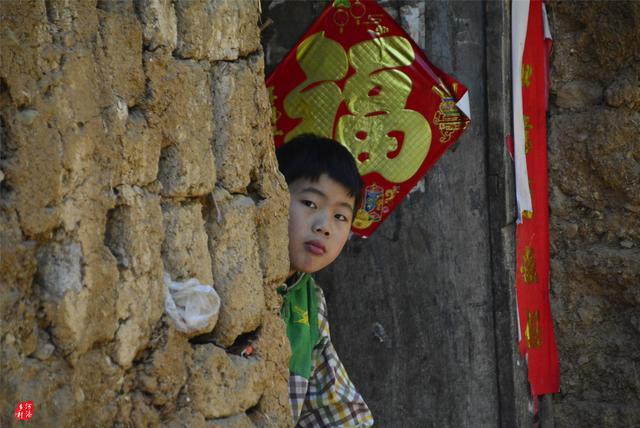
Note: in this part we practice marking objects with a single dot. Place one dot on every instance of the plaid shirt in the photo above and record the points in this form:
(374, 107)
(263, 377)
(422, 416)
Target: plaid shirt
(327, 398)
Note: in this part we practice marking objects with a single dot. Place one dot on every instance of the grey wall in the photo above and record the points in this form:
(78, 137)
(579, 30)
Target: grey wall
(421, 312)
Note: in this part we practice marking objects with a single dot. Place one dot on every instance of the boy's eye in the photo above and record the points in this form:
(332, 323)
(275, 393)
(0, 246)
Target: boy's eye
(342, 217)
(310, 204)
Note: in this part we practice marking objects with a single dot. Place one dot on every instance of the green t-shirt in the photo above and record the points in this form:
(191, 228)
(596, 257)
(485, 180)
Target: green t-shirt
(300, 313)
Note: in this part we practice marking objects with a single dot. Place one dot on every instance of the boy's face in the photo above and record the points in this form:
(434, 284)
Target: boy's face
(320, 217)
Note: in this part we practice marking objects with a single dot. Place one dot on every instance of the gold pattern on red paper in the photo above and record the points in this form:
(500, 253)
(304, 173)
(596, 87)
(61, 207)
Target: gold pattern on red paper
(323, 62)
(533, 331)
(374, 205)
(447, 118)
(528, 267)
(275, 113)
(358, 78)
(369, 130)
(527, 72)
(528, 126)
(376, 123)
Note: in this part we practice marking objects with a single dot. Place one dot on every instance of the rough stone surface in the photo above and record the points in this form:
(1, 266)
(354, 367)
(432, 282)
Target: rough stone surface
(120, 55)
(224, 384)
(159, 23)
(594, 177)
(578, 94)
(237, 421)
(135, 143)
(231, 227)
(107, 141)
(180, 105)
(625, 88)
(238, 123)
(184, 251)
(164, 370)
(134, 235)
(217, 29)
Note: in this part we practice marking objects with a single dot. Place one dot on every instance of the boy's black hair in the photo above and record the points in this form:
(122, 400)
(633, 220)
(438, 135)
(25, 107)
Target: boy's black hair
(309, 156)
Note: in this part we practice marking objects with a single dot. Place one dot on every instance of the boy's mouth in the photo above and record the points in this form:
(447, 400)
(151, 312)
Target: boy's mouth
(315, 247)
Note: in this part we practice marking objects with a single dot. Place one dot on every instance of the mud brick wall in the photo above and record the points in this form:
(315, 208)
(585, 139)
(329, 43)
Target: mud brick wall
(594, 177)
(135, 140)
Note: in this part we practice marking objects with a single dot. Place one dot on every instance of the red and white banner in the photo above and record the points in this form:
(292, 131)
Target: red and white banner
(530, 48)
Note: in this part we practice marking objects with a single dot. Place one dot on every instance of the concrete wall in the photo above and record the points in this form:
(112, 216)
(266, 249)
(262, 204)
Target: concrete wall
(135, 140)
(594, 173)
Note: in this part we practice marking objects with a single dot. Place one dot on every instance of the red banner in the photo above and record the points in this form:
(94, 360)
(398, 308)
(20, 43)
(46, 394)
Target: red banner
(537, 340)
(356, 76)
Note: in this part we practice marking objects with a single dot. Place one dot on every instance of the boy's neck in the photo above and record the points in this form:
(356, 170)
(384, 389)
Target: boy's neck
(293, 277)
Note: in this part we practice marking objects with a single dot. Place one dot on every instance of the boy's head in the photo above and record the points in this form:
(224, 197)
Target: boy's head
(325, 190)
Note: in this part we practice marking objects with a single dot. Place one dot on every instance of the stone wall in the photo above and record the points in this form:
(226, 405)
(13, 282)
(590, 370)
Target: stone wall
(594, 161)
(135, 140)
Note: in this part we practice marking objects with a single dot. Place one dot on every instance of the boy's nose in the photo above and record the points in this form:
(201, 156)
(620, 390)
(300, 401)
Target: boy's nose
(321, 226)
(323, 230)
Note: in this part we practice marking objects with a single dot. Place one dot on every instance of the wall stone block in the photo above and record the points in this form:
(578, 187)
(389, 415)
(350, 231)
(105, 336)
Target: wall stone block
(134, 234)
(179, 103)
(602, 146)
(236, 117)
(217, 29)
(60, 269)
(139, 151)
(184, 250)
(35, 196)
(224, 384)
(578, 94)
(96, 379)
(269, 187)
(164, 371)
(24, 40)
(62, 285)
(235, 264)
(17, 267)
(273, 240)
(142, 413)
(120, 52)
(159, 23)
(274, 351)
(186, 170)
(272, 219)
(625, 89)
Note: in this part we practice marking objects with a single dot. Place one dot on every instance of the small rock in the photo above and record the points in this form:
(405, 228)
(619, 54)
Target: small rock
(572, 230)
(79, 395)
(9, 339)
(626, 244)
(45, 348)
(28, 115)
(60, 268)
(633, 208)
(579, 93)
(45, 352)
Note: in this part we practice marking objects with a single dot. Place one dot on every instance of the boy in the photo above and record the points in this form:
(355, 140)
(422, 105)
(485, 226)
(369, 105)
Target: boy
(325, 192)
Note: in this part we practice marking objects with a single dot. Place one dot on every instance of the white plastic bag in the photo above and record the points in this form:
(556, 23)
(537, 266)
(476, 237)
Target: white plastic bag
(192, 306)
